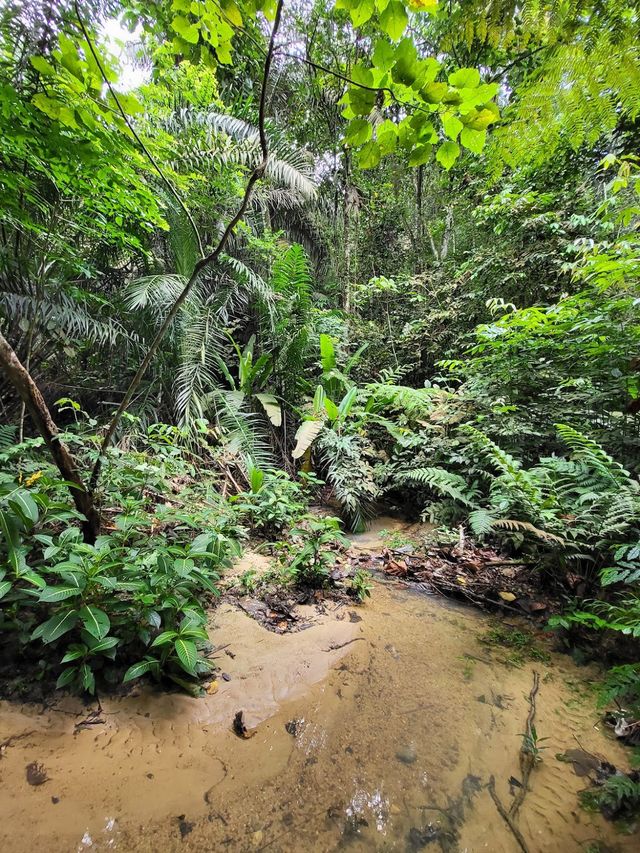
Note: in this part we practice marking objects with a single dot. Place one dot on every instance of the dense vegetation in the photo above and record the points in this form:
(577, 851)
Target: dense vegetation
(264, 254)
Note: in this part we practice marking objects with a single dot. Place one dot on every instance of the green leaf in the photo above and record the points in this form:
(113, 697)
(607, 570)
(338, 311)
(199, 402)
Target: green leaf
(369, 155)
(465, 78)
(331, 409)
(58, 593)
(187, 654)
(105, 644)
(74, 652)
(433, 93)
(447, 154)
(66, 677)
(5, 586)
(46, 105)
(24, 505)
(87, 678)
(361, 11)
(138, 669)
(164, 638)
(358, 132)
(387, 136)
(406, 66)
(9, 525)
(346, 404)
(420, 154)
(361, 100)
(452, 125)
(394, 20)
(95, 621)
(42, 65)
(481, 119)
(383, 55)
(55, 627)
(473, 139)
(185, 29)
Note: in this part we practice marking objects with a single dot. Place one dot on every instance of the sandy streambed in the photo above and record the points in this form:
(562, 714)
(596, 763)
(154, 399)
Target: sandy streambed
(378, 734)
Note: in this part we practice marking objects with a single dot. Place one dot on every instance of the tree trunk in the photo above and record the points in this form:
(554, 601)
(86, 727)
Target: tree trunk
(34, 402)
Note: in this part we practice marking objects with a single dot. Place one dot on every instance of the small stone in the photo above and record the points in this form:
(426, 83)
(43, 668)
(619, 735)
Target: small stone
(407, 754)
(55, 800)
(226, 676)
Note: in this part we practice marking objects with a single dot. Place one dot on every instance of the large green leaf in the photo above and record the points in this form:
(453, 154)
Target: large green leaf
(55, 627)
(95, 621)
(24, 505)
(358, 132)
(369, 155)
(9, 526)
(473, 139)
(58, 593)
(185, 29)
(465, 78)
(447, 154)
(187, 654)
(394, 20)
(140, 668)
(5, 586)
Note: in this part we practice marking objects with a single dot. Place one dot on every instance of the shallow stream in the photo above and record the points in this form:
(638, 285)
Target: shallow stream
(376, 729)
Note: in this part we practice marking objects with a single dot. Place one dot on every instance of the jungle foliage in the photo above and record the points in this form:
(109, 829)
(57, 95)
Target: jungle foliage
(261, 253)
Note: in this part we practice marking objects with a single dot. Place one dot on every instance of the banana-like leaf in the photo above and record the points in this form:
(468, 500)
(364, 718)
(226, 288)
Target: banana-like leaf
(307, 432)
(346, 404)
(272, 408)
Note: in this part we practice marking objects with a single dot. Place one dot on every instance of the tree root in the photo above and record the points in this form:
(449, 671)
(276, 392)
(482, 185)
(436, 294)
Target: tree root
(527, 759)
(504, 814)
(527, 763)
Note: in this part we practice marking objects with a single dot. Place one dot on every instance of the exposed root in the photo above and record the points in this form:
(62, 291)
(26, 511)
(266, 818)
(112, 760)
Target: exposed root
(504, 814)
(527, 758)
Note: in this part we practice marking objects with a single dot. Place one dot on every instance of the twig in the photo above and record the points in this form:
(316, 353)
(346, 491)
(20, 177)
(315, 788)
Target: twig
(334, 647)
(204, 261)
(504, 814)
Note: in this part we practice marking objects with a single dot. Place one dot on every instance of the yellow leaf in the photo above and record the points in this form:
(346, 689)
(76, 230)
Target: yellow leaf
(507, 596)
(212, 688)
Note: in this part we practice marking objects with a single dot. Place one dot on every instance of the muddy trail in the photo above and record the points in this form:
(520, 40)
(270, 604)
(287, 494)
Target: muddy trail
(377, 728)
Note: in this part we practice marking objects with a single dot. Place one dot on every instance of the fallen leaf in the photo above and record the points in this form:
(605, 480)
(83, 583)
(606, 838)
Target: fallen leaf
(213, 688)
(507, 596)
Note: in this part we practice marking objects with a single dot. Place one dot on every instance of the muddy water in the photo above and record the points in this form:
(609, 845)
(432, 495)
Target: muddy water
(400, 720)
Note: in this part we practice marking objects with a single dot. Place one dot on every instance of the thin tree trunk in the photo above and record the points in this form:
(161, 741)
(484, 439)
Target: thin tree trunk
(346, 301)
(34, 403)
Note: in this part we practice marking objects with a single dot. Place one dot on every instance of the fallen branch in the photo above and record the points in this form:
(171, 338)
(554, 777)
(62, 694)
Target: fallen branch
(504, 814)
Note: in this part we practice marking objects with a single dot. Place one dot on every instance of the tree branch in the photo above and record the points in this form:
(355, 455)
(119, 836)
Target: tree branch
(34, 402)
(204, 262)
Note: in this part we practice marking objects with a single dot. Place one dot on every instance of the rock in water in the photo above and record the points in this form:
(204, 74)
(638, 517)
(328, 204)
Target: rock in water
(407, 753)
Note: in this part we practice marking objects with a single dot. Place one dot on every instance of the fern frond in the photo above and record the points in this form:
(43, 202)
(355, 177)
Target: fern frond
(527, 527)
